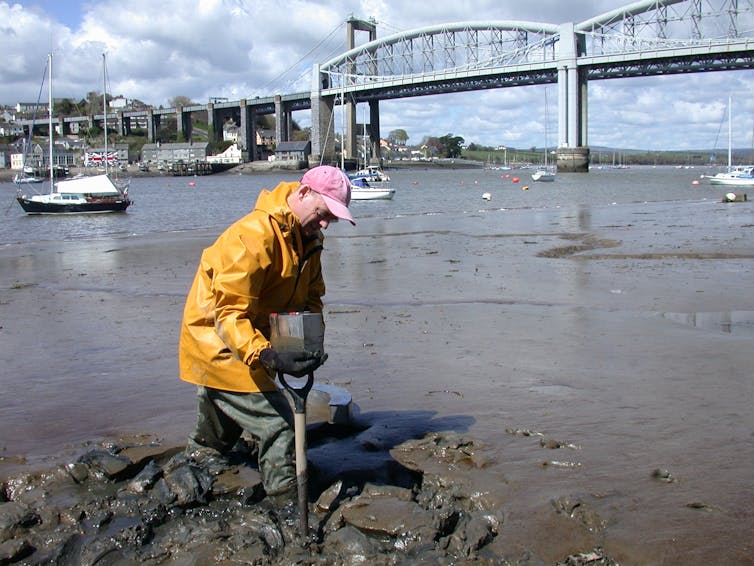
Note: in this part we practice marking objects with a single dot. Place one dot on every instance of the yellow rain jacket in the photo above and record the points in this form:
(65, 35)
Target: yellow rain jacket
(259, 265)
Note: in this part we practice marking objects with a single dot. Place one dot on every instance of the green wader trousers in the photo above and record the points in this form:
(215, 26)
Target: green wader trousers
(267, 416)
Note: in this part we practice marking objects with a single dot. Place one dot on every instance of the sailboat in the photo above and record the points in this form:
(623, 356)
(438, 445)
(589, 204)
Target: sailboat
(546, 173)
(739, 175)
(369, 183)
(98, 193)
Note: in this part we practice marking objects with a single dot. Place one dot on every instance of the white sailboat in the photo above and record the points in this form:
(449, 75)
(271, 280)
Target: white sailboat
(735, 176)
(546, 173)
(97, 193)
(369, 183)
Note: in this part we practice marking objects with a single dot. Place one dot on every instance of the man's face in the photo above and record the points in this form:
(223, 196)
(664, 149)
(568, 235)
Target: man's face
(315, 214)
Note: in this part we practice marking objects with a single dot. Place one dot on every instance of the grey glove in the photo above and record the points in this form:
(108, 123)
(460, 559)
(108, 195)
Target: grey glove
(297, 364)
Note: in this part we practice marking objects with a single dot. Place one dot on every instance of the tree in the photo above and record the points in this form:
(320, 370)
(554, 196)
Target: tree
(452, 145)
(65, 107)
(179, 101)
(398, 137)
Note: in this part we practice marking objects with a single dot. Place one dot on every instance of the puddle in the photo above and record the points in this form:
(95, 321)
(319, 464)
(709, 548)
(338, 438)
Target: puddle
(740, 323)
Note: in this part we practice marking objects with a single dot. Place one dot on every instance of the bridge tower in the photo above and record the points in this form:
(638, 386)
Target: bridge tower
(572, 152)
(352, 26)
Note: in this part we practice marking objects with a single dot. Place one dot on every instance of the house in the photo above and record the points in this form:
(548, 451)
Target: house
(8, 129)
(230, 131)
(293, 151)
(174, 152)
(232, 155)
(37, 158)
(5, 153)
(31, 108)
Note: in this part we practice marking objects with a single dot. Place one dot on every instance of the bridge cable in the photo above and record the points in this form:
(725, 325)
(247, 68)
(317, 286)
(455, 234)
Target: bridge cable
(302, 58)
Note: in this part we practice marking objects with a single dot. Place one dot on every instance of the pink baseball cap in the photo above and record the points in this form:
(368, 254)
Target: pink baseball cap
(335, 188)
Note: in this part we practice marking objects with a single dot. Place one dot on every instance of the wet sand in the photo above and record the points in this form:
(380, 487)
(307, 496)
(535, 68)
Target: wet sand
(586, 348)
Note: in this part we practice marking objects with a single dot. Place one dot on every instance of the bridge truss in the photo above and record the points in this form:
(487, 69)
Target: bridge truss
(650, 37)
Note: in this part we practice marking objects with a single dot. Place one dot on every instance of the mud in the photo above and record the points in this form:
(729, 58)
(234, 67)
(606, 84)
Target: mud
(606, 392)
(139, 502)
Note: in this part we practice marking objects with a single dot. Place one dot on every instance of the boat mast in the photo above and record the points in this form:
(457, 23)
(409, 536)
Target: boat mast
(343, 121)
(545, 128)
(49, 123)
(104, 108)
(366, 161)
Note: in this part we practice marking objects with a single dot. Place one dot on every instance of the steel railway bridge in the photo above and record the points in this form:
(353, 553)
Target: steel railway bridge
(644, 38)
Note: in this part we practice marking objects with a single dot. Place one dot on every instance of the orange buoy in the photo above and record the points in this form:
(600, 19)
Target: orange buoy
(191, 183)
(695, 182)
(515, 179)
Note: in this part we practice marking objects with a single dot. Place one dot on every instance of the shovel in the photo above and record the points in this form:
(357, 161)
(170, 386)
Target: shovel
(299, 394)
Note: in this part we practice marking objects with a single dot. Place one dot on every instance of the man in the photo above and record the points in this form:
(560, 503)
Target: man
(268, 261)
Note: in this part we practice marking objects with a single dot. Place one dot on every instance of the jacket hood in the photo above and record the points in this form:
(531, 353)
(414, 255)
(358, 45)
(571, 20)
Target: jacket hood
(275, 203)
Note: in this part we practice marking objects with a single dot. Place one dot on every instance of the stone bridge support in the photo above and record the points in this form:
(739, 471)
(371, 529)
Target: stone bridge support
(323, 125)
(283, 120)
(124, 124)
(248, 131)
(572, 152)
(183, 123)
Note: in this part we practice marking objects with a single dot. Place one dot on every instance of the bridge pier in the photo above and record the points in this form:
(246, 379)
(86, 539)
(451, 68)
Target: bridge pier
(323, 127)
(247, 134)
(573, 159)
(183, 123)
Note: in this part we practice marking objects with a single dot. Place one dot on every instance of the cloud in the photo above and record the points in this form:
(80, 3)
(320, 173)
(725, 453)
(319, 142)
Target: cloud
(243, 48)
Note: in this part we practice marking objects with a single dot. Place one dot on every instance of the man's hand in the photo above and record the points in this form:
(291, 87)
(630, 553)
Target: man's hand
(297, 364)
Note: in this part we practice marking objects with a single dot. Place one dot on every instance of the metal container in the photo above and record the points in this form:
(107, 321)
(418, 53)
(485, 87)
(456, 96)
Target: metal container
(296, 331)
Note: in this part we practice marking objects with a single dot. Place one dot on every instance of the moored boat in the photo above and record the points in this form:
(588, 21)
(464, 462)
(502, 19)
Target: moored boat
(97, 193)
(738, 176)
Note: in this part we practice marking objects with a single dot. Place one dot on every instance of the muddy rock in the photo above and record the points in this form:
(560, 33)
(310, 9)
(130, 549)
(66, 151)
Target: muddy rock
(126, 503)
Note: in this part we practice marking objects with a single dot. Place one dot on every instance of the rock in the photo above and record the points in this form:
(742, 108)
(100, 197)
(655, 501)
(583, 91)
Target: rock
(189, 485)
(473, 531)
(329, 497)
(14, 550)
(13, 517)
(145, 479)
(112, 466)
(386, 516)
(241, 482)
(351, 542)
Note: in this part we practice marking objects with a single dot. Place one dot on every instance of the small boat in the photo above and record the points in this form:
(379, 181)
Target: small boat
(26, 179)
(738, 176)
(370, 174)
(97, 193)
(371, 193)
(545, 173)
(370, 183)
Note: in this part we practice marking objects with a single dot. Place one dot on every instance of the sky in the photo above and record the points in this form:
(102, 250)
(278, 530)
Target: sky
(245, 48)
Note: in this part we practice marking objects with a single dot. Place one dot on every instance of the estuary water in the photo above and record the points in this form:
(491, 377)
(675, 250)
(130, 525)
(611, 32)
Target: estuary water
(170, 204)
(595, 333)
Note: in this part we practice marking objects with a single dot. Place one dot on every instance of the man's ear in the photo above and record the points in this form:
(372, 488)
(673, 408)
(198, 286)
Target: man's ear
(302, 190)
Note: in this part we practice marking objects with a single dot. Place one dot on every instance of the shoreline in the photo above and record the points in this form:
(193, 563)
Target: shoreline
(7, 175)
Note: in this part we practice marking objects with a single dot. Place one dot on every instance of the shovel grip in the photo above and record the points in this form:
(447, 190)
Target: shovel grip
(298, 394)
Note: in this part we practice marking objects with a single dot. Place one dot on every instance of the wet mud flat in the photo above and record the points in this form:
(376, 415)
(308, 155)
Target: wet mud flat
(595, 362)
(137, 502)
